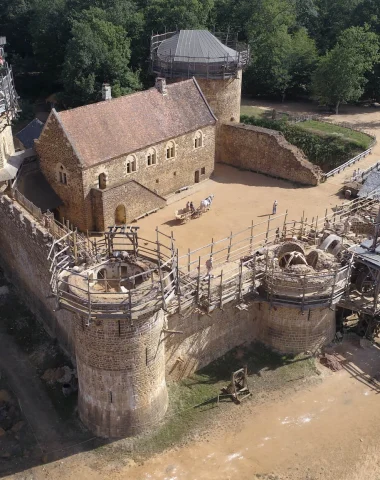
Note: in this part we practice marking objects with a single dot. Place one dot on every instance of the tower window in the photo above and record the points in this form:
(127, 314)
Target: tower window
(203, 171)
(131, 164)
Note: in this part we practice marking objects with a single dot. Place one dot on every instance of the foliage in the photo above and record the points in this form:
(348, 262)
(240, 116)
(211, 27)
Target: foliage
(98, 51)
(340, 76)
(324, 149)
(53, 43)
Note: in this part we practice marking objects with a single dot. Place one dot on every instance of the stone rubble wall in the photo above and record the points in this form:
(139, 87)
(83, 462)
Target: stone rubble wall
(265, 151)
(24, 249)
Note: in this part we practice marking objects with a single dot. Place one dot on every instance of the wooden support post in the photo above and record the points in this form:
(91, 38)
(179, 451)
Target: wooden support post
(229, 248)
(198, 280)
(267, 234)
(160, 272)
(254, 272)
(284, 225)
(188, 259)
(333, 287)
(302, 220)
(130, 304)
(178, 284)
(240, 293)
(75, 246)
(376, 295)
(251, 238)
(105, 281)
(221, 291)
(212, 246)
(209, 294)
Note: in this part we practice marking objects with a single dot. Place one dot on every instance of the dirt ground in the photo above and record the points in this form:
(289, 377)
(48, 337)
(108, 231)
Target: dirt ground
(242, 196)
(328, 430)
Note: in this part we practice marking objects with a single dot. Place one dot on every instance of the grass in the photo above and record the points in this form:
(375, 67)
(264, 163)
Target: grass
(325, 128)
(258, 112)
(193, 404)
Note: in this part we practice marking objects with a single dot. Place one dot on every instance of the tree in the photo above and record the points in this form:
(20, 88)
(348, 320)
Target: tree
(98, 51)
(340, 76)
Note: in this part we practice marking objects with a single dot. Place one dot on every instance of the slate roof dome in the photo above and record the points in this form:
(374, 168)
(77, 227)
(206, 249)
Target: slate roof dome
(197, 53)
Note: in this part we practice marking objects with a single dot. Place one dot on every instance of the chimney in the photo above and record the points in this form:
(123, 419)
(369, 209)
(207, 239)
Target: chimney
(106, 91)
(161, 85)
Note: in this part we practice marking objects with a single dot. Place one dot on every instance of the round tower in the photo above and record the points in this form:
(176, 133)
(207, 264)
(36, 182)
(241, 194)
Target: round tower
(215, 61)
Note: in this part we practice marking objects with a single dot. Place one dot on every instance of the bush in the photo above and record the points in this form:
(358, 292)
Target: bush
(326, 151)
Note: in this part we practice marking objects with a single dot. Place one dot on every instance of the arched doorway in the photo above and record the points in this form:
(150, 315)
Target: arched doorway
(102, 181)
(120, 215)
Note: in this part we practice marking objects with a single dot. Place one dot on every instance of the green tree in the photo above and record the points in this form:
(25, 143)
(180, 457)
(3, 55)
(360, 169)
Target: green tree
(98, 51)
(340, 76)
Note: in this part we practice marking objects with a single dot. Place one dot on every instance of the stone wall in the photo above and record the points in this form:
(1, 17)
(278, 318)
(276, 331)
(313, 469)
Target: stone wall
(205, 338)
(106, 201)
(289, 330)
(121, 374)
(23, 256)
(54, 150)
(265, 151)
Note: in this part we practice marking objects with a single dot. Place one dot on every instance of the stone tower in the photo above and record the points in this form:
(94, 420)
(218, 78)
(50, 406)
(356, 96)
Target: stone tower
(8, 107)
(216, 63)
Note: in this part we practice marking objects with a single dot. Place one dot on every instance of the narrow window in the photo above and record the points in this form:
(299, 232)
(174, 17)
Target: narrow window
(131, 164)
(198, 140)
(157, 180)
(62, 176)
(203, 170)
(151, 157)
(170, 150)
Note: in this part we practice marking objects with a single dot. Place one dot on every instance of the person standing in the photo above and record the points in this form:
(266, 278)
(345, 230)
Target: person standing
(274, 210)
(209, 265)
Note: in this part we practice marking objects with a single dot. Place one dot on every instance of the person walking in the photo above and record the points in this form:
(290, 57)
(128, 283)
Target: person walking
(274, 210)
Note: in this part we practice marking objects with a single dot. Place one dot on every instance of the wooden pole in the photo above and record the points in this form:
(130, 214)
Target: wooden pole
(212, 246)
(188, 259)
(75, 246)
(240, 295)
(221, 291)
(209, 294)
(267, 234)
(229, 248)
(284, 225)
(251, 238)
(198, 279)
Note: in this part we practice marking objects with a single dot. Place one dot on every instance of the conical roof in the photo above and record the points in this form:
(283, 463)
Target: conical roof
(195, 45)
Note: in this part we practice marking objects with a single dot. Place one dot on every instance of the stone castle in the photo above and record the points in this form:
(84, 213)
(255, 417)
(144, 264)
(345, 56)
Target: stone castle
(131, 311)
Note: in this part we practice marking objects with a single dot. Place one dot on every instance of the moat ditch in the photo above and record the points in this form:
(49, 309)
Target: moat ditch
(44, 424)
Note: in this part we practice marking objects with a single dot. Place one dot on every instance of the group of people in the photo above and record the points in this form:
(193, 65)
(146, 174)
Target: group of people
(190, 207)
(356, 175)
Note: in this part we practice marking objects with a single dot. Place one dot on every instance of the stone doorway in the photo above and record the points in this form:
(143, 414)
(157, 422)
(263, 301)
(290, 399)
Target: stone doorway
(120, 215)
(197, 176)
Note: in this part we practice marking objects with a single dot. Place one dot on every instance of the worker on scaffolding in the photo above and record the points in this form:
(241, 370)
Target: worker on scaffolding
(209, 266)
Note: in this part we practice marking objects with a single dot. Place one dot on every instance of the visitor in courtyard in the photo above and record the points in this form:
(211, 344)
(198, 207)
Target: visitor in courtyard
(274, 211)
(192, 209)
(209, 265)
(188, 206)
(354, 175)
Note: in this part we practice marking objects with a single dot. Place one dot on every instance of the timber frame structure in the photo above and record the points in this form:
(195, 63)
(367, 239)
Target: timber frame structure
(178, 284)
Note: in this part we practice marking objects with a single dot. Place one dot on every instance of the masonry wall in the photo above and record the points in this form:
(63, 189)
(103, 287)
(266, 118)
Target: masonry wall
(136, 199)
(166, 176)
(205, 338)
(54, 149)
(289, 330)
(6, 142)
(265, 151)
(121, 374)
(23, 256)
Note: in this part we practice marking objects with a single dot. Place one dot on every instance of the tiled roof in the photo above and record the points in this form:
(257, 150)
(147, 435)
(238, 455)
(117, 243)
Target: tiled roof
(123, 125)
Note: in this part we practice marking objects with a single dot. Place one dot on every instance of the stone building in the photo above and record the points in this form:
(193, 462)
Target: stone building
(115, 160)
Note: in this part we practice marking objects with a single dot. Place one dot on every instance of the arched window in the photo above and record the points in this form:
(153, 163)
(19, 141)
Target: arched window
(62, 175)
(170, 150)
(198, 140)
(151, 158)
(102, 181)
(131, 164)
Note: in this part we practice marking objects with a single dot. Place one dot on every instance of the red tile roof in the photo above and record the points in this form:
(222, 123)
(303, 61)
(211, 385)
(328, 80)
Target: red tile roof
(123, 125)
